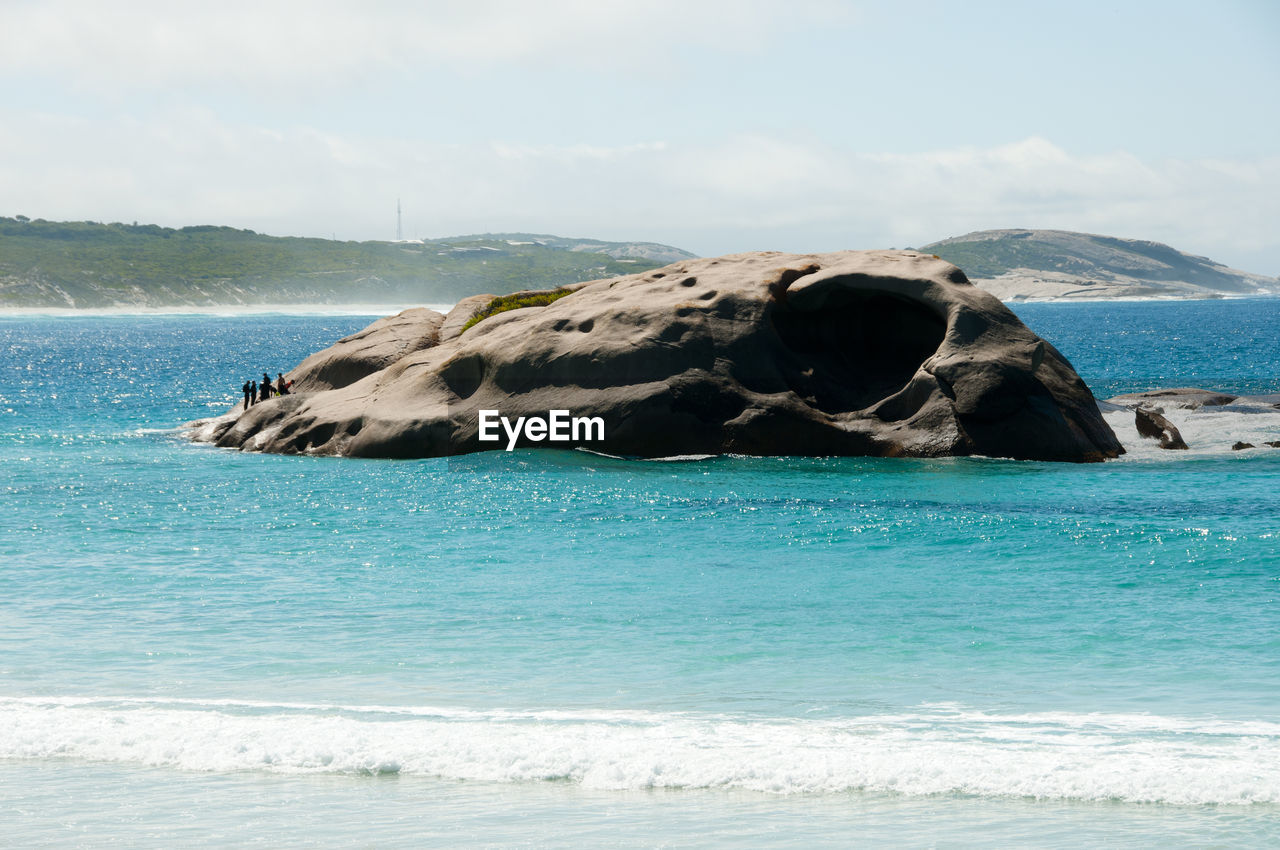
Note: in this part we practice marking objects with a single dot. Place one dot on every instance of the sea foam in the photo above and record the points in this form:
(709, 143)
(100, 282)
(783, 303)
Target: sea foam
(1206, 430)
(934, 750)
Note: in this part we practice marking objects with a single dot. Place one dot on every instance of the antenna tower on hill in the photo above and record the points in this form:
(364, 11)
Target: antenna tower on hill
(399, 229)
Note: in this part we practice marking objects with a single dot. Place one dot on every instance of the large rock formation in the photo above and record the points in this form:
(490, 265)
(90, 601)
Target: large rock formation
(884, 353)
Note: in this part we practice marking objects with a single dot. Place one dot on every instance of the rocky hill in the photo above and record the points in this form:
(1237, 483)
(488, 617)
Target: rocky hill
(1021, 265)
(90, 264)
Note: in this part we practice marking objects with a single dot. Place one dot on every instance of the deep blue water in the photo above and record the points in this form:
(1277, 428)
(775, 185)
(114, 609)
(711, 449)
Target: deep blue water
(1227, 345)
(561, 649)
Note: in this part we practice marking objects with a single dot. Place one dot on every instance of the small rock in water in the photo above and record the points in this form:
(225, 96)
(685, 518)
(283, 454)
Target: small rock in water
(1151, 424)
(1238, 446)
(1275, 444)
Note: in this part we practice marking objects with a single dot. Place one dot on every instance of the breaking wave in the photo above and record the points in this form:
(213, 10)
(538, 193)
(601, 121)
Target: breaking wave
(936, 750)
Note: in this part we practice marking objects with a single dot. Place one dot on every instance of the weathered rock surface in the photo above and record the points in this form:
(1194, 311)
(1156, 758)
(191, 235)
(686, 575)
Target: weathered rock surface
(1151, 423)
(883, 353)
(370, 350)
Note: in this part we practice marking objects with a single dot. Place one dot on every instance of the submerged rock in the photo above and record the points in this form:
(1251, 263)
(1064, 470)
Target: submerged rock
(1151, 423)
(883, 353)
(1187, 397)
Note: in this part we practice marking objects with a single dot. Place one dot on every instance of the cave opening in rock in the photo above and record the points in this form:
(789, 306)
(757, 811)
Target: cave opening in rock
(857, 348)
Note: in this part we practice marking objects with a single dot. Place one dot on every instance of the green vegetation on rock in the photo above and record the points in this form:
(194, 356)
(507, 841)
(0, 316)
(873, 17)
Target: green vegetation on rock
(515, 301)
(89, 264)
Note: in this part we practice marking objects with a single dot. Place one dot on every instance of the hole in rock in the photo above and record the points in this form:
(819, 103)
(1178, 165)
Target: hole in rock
(464, 375)
(858, 348)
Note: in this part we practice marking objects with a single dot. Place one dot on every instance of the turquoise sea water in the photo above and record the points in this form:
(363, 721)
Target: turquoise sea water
(543, 648)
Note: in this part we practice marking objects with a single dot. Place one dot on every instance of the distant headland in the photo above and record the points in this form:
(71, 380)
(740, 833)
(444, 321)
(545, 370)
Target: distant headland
(81, 264)
(93, 265)
(1058, 265)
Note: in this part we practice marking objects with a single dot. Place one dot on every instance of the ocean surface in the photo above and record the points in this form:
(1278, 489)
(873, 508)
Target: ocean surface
(204, 648)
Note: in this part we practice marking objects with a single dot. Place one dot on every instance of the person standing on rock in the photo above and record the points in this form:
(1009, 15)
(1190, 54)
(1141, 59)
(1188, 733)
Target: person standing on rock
(253, 392)
(265, 387)
(281, 387)
(246, 389)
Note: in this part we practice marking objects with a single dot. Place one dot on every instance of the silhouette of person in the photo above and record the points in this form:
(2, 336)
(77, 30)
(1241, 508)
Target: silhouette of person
(265, 387)
(281, 387)
(245, 390)
(253, 392)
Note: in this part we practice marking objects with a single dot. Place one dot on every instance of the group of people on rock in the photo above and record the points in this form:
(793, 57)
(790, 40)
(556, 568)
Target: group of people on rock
(255, 392)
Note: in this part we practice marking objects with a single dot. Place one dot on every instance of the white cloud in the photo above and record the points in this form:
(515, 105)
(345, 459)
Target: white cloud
(742, 193)
(154, 44)
(570, 153)
(910, 199)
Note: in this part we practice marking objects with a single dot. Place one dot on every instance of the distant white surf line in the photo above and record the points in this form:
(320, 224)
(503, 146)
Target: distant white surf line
(935, 750)
(1143, 299)
(220, 310)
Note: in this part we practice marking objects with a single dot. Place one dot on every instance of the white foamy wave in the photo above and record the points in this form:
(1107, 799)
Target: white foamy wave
(1134, 758)
(1206, 430)
(667, 459)
(202, 430)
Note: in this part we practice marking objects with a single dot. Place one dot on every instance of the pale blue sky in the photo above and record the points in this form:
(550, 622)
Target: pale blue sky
(716, 126)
